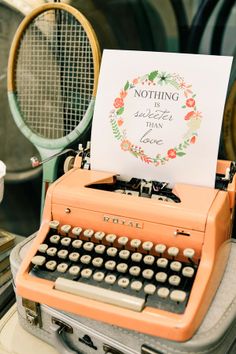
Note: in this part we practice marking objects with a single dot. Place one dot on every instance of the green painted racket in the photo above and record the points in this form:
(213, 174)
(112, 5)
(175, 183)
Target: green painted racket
(52, 80)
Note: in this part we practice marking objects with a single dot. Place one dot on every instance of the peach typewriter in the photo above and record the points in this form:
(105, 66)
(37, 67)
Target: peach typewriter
(141, 257)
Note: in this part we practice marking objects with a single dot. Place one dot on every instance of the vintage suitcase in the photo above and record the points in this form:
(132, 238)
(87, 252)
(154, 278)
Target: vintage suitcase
(74, 334)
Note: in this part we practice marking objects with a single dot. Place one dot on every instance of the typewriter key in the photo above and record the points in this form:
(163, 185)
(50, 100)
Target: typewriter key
(174, 280)
(86, 273)
(110, 265)
(43, 248)
(98, 276)
(38, 260)
(136, 285)
(112, 251)
(161, 277)
(74, 256)
(163, 292)
(54, 224)
(149, 289)
(148, 273)
(77, 243)
(175, 266)
(178, 295)
(66, 228)
(76, 231)
(110, 279)
(65, 241)
(188, 272)
(136, 257)
(51, 265)
(100, 249)
(124, 254)
(62, 254)
(74, 270)
(149, 259)
(51, 251)
(54, 239)
(62, 267)
(135, 271)
(123, 282)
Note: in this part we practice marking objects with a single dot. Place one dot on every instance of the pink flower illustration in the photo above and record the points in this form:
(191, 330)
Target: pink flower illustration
(135, 81)
(125, 145)
(171, 153)
(118, 103)
(190, 102)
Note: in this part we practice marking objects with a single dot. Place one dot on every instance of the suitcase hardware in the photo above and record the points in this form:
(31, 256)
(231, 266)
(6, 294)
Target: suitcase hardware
(32, 311)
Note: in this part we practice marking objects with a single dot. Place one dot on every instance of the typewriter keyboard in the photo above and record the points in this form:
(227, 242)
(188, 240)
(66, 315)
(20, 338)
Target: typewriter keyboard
(115, 269)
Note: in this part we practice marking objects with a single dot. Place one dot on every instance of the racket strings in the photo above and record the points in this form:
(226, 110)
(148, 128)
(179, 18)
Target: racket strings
(54, 74)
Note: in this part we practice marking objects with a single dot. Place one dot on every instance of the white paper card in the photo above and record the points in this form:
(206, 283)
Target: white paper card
(158, 116)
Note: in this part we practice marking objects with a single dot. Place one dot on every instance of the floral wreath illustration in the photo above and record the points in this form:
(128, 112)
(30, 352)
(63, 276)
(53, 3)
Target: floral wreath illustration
(192, 117)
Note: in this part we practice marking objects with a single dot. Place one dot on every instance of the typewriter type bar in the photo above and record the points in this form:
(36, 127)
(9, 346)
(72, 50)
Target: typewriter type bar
(150, 266)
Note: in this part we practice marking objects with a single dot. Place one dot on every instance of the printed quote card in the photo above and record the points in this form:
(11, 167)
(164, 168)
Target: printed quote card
(158, 115)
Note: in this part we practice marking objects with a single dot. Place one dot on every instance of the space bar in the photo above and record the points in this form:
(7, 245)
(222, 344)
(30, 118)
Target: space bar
(100, 294)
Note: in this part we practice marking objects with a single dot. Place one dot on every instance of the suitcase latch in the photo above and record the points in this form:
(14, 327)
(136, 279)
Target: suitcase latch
(32, 312)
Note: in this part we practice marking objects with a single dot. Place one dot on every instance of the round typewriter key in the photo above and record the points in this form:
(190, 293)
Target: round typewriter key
(136, 257)
(66, 241)
(86, 273)
(98, 276)
(148, 273)
(51, 265)
(112, 251)
(38, 260)
(122, 267)
(100, 249)
(161, 277)
(149, 259)
(147, 245)
(175, 266)
(135, 271)
(51, 251)
(178, 295)
(110, 238)
(123, 240)
(163, 292)
(135, 243)
(86, 259)
(162, 262)
(66, 228)
(97, 262)
(76, 231)
(74, 256)
(173, 251)
(110, 279)
(62, 267)
(149, 289)
(54, 224)
(123, 282)
(110, 265)
(136, 285)
(160, 248)
(188, 272)
(189, 253)
(74, 270)
(174, 280)
(124, 254)
(54, 239)
(99, 235)
(88, 246)
(62, 254)
(77, 243)
(88, 233)
(43, 248)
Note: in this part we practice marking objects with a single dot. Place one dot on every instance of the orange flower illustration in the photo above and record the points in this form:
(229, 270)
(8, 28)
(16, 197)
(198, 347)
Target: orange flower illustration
(171, 153)
(118, 103)
(189, 115)
(123, 94)
(193, 139)
(190, 102)
(125, 145)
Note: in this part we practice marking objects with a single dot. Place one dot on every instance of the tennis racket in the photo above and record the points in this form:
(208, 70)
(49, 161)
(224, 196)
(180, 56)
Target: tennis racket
(52, 80)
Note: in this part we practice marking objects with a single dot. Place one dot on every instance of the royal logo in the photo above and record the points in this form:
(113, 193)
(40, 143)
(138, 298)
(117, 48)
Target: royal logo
(121, 221)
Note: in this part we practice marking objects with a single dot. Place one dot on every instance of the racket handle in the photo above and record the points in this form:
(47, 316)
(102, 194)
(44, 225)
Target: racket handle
(35, 162)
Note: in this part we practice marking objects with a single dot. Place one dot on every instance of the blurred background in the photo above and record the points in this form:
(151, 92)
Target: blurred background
(185, 26)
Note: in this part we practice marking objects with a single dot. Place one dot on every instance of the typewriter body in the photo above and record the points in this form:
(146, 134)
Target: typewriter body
(144, 264)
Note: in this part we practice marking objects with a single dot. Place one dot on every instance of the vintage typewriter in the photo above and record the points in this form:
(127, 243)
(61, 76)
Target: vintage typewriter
(133, 254)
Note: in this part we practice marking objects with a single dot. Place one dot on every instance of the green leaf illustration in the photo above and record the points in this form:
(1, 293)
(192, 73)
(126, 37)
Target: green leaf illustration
(115, 130)
(180, 153)
(152, 75)
(126, 86)
(120, 111)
